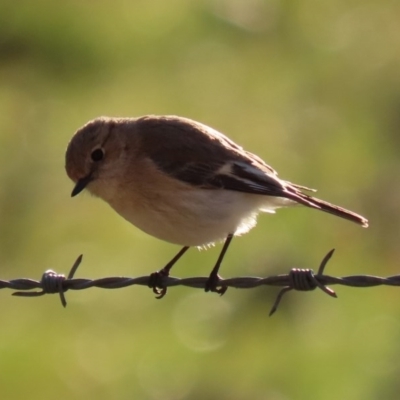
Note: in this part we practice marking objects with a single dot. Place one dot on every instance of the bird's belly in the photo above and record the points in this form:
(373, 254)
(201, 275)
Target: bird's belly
(172, 229)
(194, 218)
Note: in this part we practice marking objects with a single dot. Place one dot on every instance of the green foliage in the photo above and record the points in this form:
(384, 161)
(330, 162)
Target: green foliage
(312, 87)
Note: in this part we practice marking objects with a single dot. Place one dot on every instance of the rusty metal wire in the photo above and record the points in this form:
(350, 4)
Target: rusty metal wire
(296, 279)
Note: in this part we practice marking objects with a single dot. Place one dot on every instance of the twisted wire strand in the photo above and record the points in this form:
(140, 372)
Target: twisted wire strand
(297, 279)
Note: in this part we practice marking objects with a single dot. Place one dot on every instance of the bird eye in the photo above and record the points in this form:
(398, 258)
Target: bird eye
(97, 155)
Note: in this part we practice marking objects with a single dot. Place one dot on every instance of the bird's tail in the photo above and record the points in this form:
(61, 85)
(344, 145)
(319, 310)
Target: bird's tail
(322, 205)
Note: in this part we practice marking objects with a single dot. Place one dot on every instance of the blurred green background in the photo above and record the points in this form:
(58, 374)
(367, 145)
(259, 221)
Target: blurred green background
(313, 87)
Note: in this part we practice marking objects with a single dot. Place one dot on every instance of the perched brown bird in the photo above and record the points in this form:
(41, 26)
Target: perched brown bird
(181, 181)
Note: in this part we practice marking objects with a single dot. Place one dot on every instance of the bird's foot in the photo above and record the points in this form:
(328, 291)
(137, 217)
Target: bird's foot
(213, 284)
(157, 282)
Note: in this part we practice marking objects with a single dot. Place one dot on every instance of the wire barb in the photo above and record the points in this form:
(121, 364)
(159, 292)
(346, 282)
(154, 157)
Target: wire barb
(304, 280)
(52, 282)
(296, 279)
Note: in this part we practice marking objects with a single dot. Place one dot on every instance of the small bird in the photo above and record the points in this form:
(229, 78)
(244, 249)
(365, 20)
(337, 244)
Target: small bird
(182, 182)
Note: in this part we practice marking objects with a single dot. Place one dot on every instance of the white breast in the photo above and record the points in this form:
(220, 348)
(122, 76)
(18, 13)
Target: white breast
(179, 213)
(197, 217)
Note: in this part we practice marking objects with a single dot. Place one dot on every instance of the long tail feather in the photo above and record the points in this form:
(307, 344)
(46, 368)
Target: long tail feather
(322, 205)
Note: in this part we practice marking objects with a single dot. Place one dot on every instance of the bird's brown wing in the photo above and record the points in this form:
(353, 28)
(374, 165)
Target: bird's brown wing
(201, 156)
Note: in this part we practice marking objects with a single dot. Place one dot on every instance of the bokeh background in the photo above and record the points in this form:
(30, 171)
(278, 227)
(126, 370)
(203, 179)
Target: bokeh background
(313, 87)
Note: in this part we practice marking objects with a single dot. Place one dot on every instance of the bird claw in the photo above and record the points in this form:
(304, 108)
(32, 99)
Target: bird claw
(212, 285)
(157, 283)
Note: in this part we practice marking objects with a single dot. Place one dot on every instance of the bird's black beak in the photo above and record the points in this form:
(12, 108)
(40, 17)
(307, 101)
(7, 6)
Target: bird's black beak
(80, 185)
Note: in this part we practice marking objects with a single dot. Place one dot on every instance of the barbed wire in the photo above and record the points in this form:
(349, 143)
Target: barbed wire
(297, 279)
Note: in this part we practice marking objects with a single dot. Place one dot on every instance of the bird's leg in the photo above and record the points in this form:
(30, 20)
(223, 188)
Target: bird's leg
(213, 280)
(156, 278)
